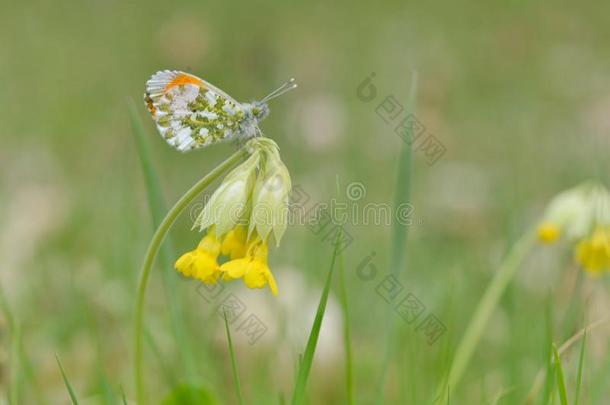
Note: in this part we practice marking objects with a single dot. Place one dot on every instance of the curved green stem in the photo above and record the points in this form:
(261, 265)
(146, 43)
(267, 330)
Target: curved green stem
(153, 249)
(484, 309)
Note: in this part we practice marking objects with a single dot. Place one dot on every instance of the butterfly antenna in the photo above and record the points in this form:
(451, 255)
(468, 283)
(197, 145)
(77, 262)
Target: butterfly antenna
(284, 88)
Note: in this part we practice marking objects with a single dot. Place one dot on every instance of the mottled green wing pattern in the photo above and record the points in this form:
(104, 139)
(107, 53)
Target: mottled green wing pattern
(189, 112)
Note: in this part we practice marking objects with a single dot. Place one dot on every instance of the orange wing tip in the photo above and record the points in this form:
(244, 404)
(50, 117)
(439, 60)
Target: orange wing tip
(182, 79)
(164, 80)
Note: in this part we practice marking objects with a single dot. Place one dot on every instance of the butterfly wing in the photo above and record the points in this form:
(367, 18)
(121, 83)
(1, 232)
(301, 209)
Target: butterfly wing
(190, 113)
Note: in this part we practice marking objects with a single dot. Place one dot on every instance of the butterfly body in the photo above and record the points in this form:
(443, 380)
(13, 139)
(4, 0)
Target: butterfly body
(190, 113)
(253, 113)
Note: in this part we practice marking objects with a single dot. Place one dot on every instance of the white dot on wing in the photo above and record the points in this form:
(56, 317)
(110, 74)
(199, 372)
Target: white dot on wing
(184, 133)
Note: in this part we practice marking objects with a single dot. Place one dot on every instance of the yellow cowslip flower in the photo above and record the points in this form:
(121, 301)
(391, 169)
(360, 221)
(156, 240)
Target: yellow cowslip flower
(248, 208)
(234, 243)
(582, 214)
(594, 253)
(201, 263)
(253, 267)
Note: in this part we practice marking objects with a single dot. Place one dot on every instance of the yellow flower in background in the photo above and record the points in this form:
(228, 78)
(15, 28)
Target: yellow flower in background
(594, 253)
(201, 263)
(248, 208)
(253, 268)
(548, 232)
(582, 215)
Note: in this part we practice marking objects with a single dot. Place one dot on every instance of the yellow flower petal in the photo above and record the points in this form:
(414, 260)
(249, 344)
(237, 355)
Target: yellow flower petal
(185, 264)
(206, 267)
(253, 268)
(235, 269)
(210, 244)
(272, 283)
(258, 249)
(255, 277)
(234, 244)
(201, 262)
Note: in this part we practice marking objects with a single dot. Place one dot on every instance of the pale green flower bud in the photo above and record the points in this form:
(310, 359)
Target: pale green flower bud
(230, 202)
(270, 197)
(570, 212)
(576, 211)
(601, 204)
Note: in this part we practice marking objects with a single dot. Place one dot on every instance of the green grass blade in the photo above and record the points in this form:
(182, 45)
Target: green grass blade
(298, 396)
(66, 381)
(18, 355)
(581, 361)
(108, 397)
(540, 376)
(123, 397)
(347, 339)
(550, 365)
(15, 372)
(158, 208)
(399, 232)
(403, 190)
(153, 188)
(561, 382)
(488, 303)
(233, 362)
(15, 363)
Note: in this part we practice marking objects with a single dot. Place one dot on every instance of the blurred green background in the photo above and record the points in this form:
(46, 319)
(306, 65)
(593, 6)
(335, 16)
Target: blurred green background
(518, 93)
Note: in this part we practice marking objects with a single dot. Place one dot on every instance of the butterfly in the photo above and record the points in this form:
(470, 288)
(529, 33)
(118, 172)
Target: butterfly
(191, 113)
